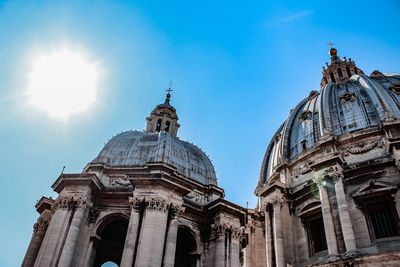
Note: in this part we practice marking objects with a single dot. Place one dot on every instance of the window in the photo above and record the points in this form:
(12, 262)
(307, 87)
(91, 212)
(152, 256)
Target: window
(340, 73)
(316, 235)
(382, 219)
(158, 128)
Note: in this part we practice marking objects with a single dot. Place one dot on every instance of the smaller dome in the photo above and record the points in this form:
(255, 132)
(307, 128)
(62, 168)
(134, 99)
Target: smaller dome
(134, 148)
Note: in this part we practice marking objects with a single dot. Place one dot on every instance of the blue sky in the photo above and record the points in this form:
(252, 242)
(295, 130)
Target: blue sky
(237, 70)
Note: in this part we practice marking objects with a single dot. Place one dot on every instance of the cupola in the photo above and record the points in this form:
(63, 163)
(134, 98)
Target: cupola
(339, 71)
(163, 117)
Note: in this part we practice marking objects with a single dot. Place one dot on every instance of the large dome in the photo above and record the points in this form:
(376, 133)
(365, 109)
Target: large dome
(340, 107)
(134, 148)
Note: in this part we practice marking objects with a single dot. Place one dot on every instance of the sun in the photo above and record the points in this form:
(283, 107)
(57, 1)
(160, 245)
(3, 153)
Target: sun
(62, 83)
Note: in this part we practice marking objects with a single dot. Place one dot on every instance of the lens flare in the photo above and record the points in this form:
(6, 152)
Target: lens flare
(62, 83)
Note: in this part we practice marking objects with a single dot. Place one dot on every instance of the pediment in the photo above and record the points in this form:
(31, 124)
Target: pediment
(374, 186)
(308, 206)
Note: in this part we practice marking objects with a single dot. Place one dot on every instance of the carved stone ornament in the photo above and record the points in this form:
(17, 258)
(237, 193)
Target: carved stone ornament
(122, 181)
(156, 204)
(276, 201)
(136, 203)
(93, 214)
(72, 202)
(222, 228)
(363, 147)
(176, 211)
(303, 169)
(40, 225)
(347, 97)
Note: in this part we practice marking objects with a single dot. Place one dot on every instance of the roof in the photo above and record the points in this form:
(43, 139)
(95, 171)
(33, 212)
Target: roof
(134, 148)
(338, 108)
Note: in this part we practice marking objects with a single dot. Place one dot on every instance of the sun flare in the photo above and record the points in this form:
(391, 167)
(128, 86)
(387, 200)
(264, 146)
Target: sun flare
(62, 83)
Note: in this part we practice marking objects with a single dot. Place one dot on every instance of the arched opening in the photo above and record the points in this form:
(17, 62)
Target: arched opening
(109, 249)
(332, 77)
(340, 73)
(348, 71)
(166, 128)
(186, 249)
(109, 264)
(158, 128)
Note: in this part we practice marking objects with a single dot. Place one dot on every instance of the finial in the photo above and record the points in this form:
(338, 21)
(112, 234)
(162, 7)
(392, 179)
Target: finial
(169, 90)
(330, 44)
(332, 51)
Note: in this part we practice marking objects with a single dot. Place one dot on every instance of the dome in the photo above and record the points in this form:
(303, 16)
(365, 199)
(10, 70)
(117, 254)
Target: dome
(134, 148)
(350, 105)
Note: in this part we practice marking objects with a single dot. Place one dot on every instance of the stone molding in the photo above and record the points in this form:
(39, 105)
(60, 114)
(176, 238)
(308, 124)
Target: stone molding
(72, 202)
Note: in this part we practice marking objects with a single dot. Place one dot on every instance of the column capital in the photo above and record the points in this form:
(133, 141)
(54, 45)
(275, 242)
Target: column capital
(40, 225)
(176, 211)
(221, 228)
(136, 203)
(157, 204)
(72, 202)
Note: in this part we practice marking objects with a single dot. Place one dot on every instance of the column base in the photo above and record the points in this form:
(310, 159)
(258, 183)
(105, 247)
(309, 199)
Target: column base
(333, 257)
(351, 254)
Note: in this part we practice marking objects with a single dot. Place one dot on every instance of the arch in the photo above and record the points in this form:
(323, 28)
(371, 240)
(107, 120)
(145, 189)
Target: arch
(158, 127)
(111, 231)
(109, 264)
(186, 254)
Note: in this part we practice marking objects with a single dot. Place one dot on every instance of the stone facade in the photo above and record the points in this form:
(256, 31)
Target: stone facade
(148, 199)
(328, 187)
(327, 194)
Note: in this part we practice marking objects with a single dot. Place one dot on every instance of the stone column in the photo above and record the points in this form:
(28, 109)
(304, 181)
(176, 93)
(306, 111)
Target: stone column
(172, 235)
(268, 238)
(328, 223)
(91, 251)
(152, 234)
(220, 253)
(235, 248)
(132, 233)
(69, 249)
(278, 234)
(39, 230)
(345, 221)
(55, 234)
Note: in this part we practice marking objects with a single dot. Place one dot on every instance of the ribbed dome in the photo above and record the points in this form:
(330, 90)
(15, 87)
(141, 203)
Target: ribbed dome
(133, 148)
(338, 108)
